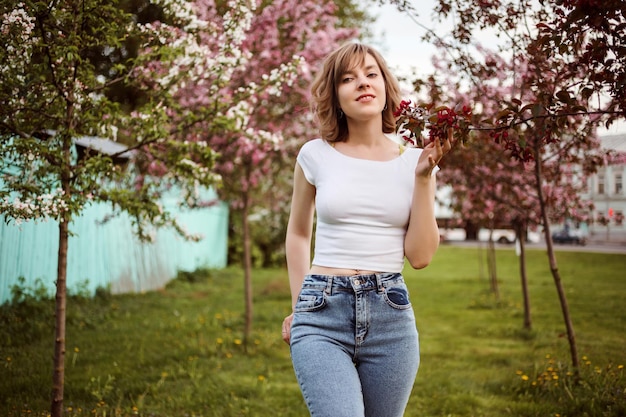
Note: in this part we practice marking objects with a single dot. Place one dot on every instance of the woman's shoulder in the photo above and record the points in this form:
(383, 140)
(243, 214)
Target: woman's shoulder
(315, 143)
(314, 147)
(411, 152)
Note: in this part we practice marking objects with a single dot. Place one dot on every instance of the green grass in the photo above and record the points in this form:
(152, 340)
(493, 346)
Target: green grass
(179, 351)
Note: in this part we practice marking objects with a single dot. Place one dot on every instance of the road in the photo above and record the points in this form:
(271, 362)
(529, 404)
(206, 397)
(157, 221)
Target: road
(594, 246)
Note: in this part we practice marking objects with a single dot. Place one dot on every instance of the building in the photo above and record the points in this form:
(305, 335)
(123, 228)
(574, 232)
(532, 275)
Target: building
(606, 190)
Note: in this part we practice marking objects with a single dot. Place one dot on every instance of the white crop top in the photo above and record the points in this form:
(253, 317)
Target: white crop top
(362, 207)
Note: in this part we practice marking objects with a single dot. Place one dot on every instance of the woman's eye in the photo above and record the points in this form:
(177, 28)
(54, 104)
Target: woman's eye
(346, 79)
(372, 74)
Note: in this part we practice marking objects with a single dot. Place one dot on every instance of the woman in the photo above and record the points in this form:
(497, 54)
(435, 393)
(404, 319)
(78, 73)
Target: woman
(352, 333)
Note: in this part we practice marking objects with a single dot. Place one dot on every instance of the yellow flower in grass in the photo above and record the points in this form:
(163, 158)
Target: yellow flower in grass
(261, 378)
(524, 377)
(620, 366)
(219, 341)
(237, 341)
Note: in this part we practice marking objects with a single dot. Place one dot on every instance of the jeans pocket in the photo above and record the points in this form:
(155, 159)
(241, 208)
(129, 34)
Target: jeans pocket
(310, 299)
(397, 296)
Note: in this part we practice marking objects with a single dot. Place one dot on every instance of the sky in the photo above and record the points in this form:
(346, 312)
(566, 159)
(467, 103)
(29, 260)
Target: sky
(398, 37)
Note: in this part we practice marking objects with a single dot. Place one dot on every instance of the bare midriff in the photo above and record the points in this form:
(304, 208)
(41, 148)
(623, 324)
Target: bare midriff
(326, 270)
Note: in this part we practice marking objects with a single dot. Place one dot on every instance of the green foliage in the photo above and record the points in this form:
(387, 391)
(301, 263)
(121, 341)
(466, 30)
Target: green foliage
(179, 351)
(29, 316)
(268, 229)
(592, 391)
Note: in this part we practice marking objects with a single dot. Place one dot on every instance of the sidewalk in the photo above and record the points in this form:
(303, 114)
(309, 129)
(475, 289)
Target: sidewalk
(612, 238)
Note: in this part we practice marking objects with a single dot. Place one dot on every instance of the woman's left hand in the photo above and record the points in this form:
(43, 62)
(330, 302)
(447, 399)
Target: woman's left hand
(432, 154)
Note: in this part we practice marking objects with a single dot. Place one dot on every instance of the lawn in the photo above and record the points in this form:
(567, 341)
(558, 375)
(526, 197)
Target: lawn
(179, 351)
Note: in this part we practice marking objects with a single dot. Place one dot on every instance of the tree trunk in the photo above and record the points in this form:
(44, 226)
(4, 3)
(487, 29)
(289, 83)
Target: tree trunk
(491, 263)
(58, 374)
(571, 336)
(247, 269)
(520, 232)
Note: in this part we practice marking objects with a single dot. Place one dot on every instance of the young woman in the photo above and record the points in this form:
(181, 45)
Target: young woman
(352, 334)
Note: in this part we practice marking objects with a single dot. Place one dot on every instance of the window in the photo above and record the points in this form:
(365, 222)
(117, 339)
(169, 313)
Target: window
(600, 183)
(618, 184)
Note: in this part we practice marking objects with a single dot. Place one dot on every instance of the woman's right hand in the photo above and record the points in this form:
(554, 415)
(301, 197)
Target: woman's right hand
(286, 331)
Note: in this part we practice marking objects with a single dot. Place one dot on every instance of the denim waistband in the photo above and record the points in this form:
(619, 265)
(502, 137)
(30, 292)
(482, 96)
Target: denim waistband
(359, 282)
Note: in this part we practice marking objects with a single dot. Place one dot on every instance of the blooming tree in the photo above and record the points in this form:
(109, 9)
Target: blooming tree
(53, 92)
(562, 83)
(253, 160)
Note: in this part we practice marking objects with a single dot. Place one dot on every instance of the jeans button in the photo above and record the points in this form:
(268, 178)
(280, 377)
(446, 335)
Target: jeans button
(357, 282)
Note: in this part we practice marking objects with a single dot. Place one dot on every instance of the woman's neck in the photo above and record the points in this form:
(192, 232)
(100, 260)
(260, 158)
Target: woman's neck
(369, 134)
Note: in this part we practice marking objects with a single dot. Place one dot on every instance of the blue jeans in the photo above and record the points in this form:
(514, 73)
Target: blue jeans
(354, 345)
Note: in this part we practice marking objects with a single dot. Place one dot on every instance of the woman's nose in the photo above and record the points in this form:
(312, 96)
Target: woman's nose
(363, 82)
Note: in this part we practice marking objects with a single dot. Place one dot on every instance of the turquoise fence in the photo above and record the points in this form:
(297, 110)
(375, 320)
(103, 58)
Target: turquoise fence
(107, 254)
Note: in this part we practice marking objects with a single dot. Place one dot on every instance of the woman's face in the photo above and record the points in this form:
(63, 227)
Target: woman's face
(361, 90)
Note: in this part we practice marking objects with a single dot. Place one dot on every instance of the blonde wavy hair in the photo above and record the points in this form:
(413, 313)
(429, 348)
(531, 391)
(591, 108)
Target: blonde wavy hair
(325, 102)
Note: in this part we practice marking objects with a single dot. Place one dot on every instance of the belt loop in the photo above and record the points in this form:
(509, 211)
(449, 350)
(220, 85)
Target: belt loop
(379, 283)
(329, 285)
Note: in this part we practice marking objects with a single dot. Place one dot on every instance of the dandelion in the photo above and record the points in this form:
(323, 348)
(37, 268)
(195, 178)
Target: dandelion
(237, 341)
(219, 341)
(261, 378)
(518, 372)
(620, 366)
(525, 378)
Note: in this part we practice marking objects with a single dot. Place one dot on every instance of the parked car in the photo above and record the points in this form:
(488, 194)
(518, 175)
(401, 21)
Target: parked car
(506, 236)
(569, 237)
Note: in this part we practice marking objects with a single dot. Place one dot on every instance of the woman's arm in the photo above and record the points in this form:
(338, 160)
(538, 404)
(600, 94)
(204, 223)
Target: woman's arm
(298, 239)
(299, 232)
(422, 237)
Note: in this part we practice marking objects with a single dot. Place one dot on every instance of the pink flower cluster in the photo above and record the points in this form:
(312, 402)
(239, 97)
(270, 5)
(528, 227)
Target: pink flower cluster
(412, 119)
